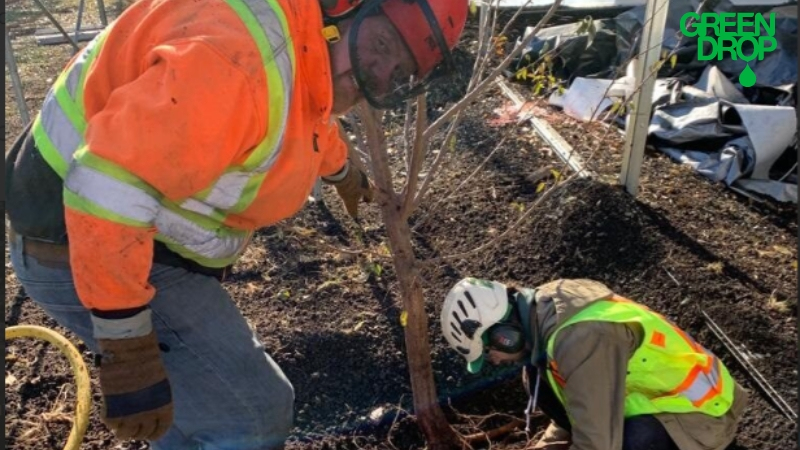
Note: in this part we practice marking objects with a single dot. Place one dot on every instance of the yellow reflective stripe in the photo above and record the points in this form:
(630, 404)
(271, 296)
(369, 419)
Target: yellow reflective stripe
(85, 157)
(120, 199)
(50, 152)
(190, 255)
(202, 208)
(60, 126)
(85, 206)
(250, 192)
(212, 244)
(267, 24)
(227, 190)
(67, 104)
(263, 19)
(93, 50)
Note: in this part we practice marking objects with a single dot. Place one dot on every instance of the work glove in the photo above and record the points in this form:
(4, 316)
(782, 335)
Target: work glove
(353, 185)
(137, 400)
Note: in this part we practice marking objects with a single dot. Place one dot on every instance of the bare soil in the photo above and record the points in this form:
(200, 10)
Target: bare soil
(332, 319)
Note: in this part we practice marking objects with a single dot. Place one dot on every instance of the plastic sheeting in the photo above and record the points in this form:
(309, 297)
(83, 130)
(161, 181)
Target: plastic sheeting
(701, 117)
(754, 136)
(617, 40)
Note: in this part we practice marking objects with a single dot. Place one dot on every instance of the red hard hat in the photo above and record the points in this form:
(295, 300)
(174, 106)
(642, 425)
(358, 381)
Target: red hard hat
(339, 8)
(418, 28)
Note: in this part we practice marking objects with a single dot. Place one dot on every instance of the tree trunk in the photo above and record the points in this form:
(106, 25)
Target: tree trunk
(438, 432)
(431, 419)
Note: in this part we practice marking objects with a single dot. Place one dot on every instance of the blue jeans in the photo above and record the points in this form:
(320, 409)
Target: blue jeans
(228, 393)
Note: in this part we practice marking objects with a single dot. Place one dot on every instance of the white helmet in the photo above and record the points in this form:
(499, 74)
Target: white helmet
(471, 307)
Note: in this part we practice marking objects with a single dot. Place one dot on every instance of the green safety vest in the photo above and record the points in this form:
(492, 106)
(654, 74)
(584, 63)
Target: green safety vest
(192, 227)
(668, 373)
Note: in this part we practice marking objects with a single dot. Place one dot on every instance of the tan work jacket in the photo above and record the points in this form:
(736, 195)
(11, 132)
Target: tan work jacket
(593, 358)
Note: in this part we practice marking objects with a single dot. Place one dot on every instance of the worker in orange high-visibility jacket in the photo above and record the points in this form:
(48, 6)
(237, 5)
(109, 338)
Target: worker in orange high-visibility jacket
(610, 373)
(171, 137)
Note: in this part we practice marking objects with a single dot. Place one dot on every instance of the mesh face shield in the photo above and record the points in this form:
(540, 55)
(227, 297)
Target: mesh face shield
(385, 69)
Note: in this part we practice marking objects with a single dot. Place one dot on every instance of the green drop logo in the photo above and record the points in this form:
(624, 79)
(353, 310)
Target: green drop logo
(747, 78)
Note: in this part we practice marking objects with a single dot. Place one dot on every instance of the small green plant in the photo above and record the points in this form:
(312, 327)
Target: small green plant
(540, 74)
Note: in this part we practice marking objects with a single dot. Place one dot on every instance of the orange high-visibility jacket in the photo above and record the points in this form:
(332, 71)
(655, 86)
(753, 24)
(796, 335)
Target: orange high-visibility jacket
(177, 102)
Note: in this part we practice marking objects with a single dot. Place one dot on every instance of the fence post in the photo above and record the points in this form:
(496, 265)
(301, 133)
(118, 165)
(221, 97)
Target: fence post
(16, 83)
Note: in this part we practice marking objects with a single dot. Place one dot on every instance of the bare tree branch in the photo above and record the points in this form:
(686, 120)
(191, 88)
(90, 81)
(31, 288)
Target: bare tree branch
(471, 96)
(509, 231)
(417, 157)
(457, 189)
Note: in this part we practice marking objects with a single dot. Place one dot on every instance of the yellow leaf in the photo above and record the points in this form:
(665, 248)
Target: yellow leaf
(303, 231)
(556, 174)
(404, 319)
(473, 7)
(672, 61)
(540, 187)
(782, 250)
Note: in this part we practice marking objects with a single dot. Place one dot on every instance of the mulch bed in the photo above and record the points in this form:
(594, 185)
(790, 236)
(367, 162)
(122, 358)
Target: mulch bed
(332, 320)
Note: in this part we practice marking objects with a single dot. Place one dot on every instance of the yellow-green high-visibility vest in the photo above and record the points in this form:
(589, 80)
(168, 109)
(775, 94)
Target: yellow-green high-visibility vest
(669, 372)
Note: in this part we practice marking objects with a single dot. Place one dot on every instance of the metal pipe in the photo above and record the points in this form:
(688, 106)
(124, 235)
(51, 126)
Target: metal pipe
(81, 5)
(762, 382)
(101, 10)
(57, 25)
(16, 82)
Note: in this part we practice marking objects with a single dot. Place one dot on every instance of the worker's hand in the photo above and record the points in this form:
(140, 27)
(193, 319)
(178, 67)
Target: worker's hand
(137, 400)
(354, 187)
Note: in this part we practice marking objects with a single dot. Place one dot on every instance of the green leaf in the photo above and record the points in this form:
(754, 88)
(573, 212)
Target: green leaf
(538, 88)
(473, 7)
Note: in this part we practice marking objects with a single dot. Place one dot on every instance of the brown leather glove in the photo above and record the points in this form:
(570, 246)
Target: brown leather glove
(137, 400)
(354, 187)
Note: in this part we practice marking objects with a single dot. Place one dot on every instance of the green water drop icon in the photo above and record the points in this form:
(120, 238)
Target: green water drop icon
(747, 78)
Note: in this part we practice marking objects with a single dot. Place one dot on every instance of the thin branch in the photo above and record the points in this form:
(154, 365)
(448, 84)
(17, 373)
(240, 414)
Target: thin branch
(437, 162)
(407, 136)
(417, 157)
(514, 18)
(457, 189)
(371, 120)
(509, 231)
(490, 435)
(471, 96)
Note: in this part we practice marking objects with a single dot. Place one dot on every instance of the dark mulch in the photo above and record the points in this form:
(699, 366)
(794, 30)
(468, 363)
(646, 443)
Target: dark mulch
(332, 320)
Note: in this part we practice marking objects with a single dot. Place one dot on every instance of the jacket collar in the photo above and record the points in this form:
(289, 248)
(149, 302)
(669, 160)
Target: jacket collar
(526, 305)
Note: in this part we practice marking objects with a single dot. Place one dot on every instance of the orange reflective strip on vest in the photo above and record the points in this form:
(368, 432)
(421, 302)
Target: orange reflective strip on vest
(557, 376)
(658, 339)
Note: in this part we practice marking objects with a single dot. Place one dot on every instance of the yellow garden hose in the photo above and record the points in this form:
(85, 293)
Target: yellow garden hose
(84, 390)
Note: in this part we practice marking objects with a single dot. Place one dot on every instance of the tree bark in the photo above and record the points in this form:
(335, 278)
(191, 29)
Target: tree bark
(430, 417)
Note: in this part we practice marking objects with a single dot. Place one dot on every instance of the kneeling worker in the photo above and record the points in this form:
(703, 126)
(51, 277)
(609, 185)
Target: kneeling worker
(610, 373)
